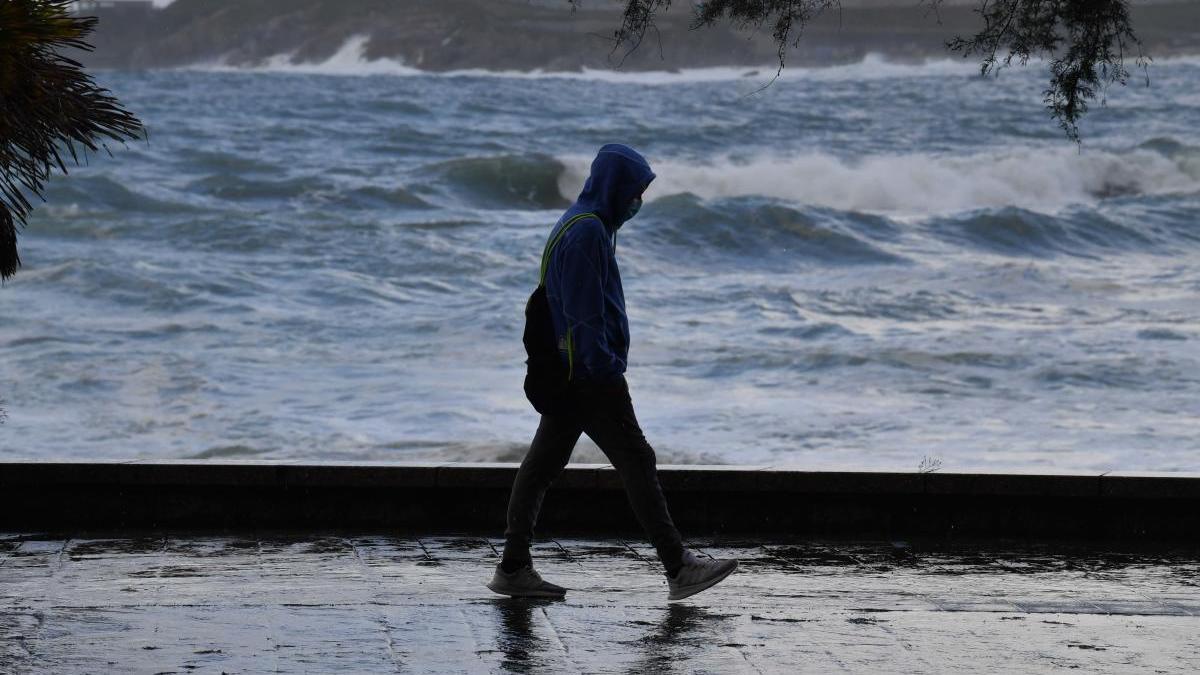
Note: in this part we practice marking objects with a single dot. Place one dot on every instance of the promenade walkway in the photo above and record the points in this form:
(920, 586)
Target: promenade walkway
(178, 603)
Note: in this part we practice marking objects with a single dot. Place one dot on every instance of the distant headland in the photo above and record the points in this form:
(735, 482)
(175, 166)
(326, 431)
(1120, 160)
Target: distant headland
(547, 35)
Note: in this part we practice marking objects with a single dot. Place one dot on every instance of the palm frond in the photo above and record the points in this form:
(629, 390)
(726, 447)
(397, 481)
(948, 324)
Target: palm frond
(50, 109)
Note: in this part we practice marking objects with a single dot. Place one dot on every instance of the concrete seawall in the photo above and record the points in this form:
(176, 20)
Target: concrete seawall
(589, 499)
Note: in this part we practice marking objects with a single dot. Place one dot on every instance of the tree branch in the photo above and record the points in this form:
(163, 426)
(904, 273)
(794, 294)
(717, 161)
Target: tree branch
(1085, 40)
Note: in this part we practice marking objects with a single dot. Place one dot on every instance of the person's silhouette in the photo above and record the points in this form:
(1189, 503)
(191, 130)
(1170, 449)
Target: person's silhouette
(587, 308)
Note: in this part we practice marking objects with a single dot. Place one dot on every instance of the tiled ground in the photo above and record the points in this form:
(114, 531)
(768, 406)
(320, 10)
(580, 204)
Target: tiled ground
(325, 604)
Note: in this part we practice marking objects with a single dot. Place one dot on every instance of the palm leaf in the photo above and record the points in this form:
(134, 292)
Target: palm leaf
(50, 109)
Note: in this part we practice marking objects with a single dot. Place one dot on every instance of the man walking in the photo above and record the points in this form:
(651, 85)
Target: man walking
(587, 309)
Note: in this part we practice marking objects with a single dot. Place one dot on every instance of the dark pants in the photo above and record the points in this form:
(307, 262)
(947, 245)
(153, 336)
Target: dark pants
(607, 418)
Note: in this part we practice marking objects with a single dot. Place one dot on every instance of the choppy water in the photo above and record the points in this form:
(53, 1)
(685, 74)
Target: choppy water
(858, 266)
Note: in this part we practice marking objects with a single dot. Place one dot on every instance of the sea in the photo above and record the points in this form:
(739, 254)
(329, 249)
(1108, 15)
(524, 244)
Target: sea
(870, 266)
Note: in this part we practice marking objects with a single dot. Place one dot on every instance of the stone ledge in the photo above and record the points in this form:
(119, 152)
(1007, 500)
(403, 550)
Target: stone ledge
(676, 478)
(432, 497)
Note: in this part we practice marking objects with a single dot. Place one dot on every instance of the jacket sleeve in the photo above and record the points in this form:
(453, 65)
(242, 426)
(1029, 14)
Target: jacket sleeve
(583, 267)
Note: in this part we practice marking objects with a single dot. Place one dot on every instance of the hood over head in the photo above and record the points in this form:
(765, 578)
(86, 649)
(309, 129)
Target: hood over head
(619, 174)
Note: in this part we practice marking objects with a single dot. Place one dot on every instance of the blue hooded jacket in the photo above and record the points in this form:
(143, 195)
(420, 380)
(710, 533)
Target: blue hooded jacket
(583, 284)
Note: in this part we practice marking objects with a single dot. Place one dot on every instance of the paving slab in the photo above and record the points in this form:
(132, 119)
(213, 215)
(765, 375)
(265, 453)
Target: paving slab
(170, 602)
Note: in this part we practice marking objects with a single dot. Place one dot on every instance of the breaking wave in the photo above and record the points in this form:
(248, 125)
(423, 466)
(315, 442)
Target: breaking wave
(922, 185)
(1019, 232)
(767, 234)
(350, 60)
(761, 232)
(503, 181)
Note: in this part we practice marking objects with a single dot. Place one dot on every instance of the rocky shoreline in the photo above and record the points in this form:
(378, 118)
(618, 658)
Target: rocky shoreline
(510, 35)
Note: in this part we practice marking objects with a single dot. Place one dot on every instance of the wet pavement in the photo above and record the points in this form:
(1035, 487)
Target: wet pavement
(369, 603)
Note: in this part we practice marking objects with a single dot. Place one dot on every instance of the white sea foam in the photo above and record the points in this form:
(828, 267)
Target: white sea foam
(351, 60)
(914, 185)
(1180, 60)
(348, 60)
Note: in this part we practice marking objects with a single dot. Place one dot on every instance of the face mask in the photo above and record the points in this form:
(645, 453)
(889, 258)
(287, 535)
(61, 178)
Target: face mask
(634, 207)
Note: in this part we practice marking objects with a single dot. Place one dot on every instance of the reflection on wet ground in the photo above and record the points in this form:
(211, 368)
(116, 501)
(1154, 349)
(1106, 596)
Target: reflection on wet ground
(169, 602)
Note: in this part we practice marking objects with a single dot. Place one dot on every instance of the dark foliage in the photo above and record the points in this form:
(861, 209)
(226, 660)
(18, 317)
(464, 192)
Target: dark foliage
(786, 18)
(49, 108)
(1085, 41)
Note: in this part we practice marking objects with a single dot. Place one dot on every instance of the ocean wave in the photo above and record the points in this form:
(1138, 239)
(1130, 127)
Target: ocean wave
(223, 161)
(240, 188)
(83, 194)
(1160, 334)
(1130, 373)
(503, 181)
(1015, 231)
(350, 60)
(228, 452)
(764, 231)
(1192, 60)
(373, 197)
(922, 185)
(873, 302)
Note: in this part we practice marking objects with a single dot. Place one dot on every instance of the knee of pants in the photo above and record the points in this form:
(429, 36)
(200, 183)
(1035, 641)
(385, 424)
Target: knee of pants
(542, 473)
(635, 453)
(540, 477)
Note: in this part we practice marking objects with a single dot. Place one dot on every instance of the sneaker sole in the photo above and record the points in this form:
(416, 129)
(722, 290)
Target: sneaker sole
(525, 593)
(689, 591)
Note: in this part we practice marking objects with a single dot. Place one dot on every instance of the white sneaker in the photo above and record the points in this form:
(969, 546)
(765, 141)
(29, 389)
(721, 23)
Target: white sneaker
(698, 574)
(524, 583)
